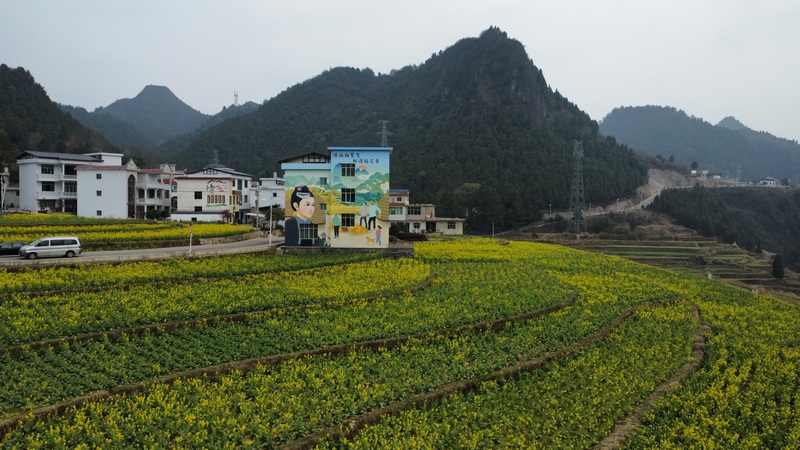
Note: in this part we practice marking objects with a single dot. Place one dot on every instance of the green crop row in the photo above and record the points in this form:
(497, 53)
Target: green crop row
(456, 298)
(573, 403)
(272, 406)
(25, 318)
(84, 277)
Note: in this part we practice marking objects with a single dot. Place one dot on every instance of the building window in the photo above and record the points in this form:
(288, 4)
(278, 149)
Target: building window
(395, 210)
(416, 225)
(48, 169)
(48, 186)
(198, 195)
(141, 193)
(151, 193)
(414, 210)
(323, 181)
(348, 220)
(348, 170)
(323, 206)
(215, 199)
(99, 212)
(274, 194)
(399, 199)
(315, 158)
(246, 199)
(99, 193)
(451, 225)
(348, 195)
(198, 209)
(99, 176)
(308, 231)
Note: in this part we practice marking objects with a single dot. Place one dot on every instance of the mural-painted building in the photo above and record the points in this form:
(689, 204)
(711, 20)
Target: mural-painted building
(338, 200)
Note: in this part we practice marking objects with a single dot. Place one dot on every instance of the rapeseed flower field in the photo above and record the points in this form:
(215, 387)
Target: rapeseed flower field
(473, 343)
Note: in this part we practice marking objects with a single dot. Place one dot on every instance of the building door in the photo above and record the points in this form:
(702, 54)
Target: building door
(131, 196)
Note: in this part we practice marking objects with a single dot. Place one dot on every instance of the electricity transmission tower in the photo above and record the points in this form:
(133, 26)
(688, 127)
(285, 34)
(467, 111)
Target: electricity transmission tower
(384, 133)
(576, 197)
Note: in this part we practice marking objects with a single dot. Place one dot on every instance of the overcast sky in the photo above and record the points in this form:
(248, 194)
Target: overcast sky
(709, 58)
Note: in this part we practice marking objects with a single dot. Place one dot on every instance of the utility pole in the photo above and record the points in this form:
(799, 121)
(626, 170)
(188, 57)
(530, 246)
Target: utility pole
(576, 198)
(3, 188)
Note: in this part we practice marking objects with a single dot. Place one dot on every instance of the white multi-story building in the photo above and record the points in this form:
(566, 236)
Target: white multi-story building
(106, 191)
(48, 181)
(212, 194)
(92, 185)
(266, 194)
(154, 188)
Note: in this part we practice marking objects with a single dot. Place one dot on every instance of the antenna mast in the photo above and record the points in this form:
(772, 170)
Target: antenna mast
(235, 98)
(576, 198)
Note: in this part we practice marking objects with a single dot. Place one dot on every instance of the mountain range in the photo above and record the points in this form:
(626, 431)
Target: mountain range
(726, 148)
(475, 129)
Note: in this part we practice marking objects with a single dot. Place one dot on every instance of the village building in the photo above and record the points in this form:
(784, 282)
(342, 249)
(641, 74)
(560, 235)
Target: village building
(106, 191)
(214, 193)
(769, 182)
(48, 181)
(92, 185)
(339, 199)
(420, 217)
(266, 195)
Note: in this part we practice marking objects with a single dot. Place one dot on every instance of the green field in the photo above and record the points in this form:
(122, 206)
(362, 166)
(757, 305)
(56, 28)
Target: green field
(474, 343)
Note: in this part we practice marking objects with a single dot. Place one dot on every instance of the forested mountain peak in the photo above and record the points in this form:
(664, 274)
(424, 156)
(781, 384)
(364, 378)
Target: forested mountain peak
(475, 129)
(731, 123)
(157, 112)
(669, 132)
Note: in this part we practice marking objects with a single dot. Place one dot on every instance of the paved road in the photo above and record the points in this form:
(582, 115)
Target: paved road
(247, 246)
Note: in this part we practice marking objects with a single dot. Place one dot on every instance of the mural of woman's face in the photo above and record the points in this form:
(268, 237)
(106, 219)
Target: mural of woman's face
(305, 209)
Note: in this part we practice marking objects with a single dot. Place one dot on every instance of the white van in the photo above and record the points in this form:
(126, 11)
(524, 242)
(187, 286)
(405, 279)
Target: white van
(68, 246)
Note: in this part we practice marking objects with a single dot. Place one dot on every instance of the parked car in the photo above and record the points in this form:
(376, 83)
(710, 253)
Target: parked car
(11, 248)
(68, 246)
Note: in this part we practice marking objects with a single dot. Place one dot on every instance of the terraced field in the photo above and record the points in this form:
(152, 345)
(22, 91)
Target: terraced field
(701, 258)
(474, 343)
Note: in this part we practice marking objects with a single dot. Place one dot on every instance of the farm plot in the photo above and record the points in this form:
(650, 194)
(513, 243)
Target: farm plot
(510, 345)
(92, 232)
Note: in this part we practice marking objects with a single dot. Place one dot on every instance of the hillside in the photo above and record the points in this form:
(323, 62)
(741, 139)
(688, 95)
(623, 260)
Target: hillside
(30, 120)
(765, 218)
(475, 129)
(116, 130)
(671, 133)
(157, 113)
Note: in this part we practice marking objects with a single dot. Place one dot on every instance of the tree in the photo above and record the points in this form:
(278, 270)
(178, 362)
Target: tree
(777, 267)
(694, 165)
